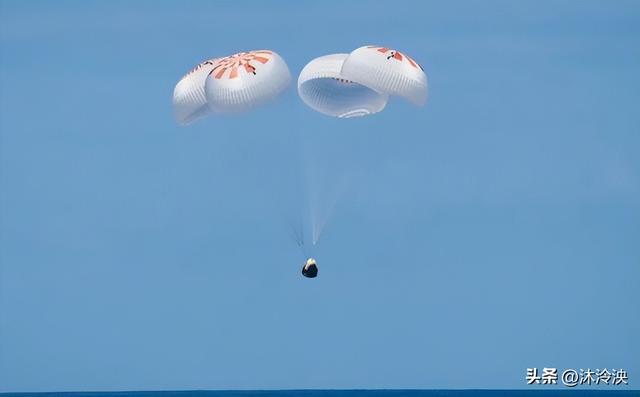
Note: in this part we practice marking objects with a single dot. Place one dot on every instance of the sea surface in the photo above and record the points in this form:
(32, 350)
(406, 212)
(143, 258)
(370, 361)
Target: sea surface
(339, 393)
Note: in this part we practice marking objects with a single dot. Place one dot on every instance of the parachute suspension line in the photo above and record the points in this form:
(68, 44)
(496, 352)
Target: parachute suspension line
(302, 246)
(296, 234)
(314, 223)
(314, 200)
(296, 231)
(332, 194)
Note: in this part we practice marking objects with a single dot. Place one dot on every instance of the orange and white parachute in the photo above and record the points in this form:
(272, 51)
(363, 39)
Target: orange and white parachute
(230, 84)
(369, 75)
(386, 70)
(339, 85)
(244, 80)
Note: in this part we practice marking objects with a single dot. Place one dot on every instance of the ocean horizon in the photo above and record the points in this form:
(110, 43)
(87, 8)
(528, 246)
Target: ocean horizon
(333, 393)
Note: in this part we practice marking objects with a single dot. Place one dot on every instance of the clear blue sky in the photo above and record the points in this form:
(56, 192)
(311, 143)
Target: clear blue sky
(499, 226)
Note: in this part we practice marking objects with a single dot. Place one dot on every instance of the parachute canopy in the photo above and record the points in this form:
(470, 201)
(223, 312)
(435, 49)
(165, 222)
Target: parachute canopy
(323, 88)
(338, 85)
(231, 84)
(386, 70)
(359, 83)
(244, 80)
(189, 100)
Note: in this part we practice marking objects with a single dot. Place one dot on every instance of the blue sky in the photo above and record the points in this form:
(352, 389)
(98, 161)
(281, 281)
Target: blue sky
(495, 229)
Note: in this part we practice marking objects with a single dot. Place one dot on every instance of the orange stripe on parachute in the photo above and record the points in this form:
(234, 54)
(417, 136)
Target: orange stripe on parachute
(262, 60)
(234, 62)
(399, 56)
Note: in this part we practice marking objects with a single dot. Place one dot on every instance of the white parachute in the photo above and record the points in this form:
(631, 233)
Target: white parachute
(244, 80)
(338, 85)
(386, 70)
(189, 100)
(231, 84)
(323, 88)
(359, 83)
